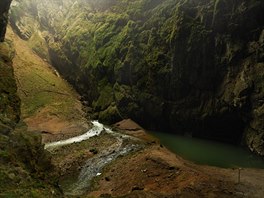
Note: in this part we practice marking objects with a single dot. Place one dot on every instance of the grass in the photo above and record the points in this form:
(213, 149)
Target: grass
(38, 85)
(38, 44)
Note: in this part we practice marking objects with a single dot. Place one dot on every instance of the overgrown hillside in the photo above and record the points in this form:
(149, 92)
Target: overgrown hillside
(49, 105)
(176, 65)
(25, 169)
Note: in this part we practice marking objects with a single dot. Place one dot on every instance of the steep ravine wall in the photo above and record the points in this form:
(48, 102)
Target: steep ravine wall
(25, 168)
(191, 67)
(4, 7)
(9, 102)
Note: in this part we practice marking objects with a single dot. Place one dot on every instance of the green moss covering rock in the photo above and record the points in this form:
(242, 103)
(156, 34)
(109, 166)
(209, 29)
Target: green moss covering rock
(178, 65)
(9, 101)
(4, 7)
(25, 168)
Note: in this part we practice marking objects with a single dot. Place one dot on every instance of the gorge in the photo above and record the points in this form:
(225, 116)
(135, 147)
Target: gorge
(193, 67)
(184, 67)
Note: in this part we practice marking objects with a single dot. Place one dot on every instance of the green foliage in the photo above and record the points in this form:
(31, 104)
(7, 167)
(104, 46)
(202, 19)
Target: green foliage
(105, 99)
(38, 44)
(164, 63)
(9, 102)
(110, 115)
(25, 168)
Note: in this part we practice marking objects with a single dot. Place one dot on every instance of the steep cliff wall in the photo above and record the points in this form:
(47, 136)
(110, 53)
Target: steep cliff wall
(9, 102)
(183, 66)
(4, 7)
(25, 167)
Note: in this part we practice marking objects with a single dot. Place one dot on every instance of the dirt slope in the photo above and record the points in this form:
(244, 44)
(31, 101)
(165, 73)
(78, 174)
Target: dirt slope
(49, 103)
(157, 172)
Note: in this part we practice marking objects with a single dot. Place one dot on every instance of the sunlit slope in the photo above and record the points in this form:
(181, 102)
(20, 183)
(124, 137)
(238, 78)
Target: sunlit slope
(49, 104)
(186, 66)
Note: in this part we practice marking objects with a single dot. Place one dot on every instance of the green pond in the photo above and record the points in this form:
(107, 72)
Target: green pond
(210, 152)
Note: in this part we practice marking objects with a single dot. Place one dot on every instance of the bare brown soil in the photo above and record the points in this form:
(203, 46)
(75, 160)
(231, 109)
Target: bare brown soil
(69, 159)
(50, 105)
(54, 128)
(157, 172)
(153, 171)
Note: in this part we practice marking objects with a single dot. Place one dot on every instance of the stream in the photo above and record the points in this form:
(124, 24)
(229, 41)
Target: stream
(193, 149)
(81, 183)
(96, 130)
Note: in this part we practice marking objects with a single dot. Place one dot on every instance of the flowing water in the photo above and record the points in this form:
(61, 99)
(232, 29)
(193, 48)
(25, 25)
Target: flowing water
(96, 130)
(210, 152)
(193, 149)
(93, 166)
(78, 185)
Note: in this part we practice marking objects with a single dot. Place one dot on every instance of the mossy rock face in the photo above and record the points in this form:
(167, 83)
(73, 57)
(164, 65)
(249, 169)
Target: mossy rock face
(105, 99)
(9, 101)
(4, 7)
(254, 134)
(39, 45)
(185, 66)
(110, 115)
(25, 168)
(7, 51)
(28, 150)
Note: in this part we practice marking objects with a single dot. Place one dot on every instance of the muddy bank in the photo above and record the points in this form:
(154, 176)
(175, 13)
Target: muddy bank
(81, 159)
(132, 163)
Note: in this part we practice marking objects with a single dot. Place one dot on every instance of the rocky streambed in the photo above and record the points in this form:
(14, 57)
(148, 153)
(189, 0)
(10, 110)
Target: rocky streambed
(76, 179)
(126, 161)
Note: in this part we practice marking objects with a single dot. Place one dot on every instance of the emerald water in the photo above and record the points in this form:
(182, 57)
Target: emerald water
(210, 152)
